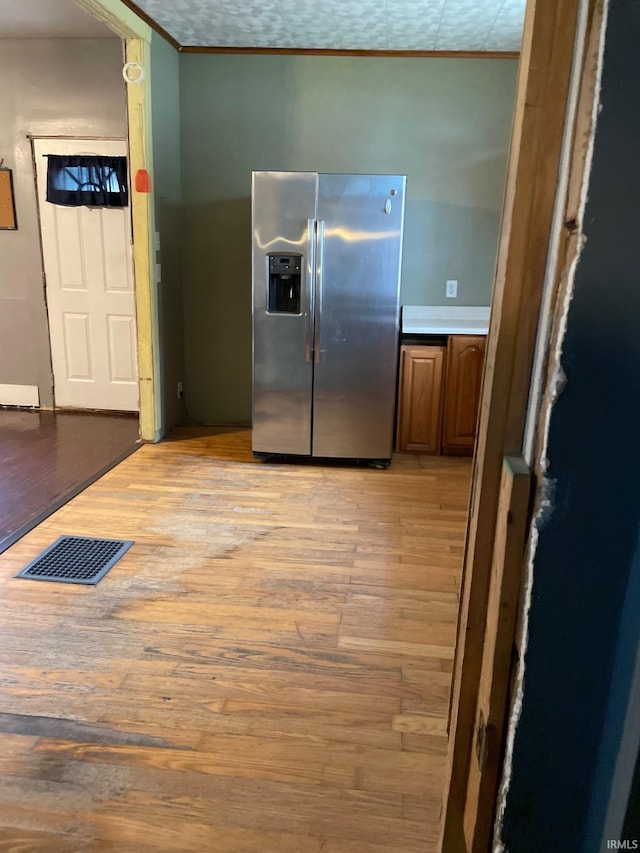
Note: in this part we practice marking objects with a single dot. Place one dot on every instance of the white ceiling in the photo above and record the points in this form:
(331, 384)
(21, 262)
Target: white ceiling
(48, 19)
(476, 25)
(458, 25)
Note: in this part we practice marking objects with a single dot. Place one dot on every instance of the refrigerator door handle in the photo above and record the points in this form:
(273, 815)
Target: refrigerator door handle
(310, 289)
(318, 295)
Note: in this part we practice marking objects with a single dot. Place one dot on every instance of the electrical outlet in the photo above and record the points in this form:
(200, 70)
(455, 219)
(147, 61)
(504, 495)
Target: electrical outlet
(180, 390)
(452, 289)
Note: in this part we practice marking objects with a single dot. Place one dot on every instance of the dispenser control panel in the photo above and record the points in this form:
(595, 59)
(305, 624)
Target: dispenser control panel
(285, 264)
(283, 283)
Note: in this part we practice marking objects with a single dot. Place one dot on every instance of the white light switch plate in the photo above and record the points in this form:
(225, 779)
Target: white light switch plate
(452, 289)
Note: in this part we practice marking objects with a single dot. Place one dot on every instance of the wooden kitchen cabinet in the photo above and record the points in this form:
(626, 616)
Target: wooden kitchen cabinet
(420, 398)
(465, 360)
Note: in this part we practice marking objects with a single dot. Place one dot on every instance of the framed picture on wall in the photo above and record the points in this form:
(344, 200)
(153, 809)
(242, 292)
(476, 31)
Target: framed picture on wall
(7, 202)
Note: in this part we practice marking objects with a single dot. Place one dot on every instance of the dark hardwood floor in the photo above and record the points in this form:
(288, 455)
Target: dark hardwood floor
(46, 458)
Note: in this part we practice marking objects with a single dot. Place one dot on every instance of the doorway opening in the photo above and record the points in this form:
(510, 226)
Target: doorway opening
(76, 345)
(498, 493)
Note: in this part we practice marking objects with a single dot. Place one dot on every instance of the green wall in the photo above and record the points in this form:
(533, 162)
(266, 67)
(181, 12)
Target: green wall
(167, 185)
(445, 123)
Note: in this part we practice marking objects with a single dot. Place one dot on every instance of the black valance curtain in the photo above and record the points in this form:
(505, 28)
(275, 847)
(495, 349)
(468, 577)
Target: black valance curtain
(91, 181)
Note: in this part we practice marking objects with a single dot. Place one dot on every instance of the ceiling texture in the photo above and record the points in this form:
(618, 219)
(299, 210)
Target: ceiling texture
(333, 25)
(371, 25)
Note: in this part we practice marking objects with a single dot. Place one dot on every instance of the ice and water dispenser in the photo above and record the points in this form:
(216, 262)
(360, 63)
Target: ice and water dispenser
(283, 296)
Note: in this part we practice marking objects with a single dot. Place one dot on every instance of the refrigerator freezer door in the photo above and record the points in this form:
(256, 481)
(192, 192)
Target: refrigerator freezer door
(357, 346)
(283, 214)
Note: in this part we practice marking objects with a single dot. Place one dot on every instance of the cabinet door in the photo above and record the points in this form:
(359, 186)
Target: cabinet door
(465, 359)
(420, 399)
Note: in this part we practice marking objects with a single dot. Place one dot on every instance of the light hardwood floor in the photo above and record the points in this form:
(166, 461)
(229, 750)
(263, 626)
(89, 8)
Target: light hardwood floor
(267, 669)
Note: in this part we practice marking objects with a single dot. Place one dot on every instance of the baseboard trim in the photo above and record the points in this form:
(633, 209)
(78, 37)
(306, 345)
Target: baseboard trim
(20, 395)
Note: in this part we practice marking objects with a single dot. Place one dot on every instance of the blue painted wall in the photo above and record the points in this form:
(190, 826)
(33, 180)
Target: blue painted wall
(584, 627)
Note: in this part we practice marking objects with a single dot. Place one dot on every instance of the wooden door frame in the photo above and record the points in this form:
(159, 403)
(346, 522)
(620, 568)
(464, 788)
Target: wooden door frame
(539, 243)
(137, 40)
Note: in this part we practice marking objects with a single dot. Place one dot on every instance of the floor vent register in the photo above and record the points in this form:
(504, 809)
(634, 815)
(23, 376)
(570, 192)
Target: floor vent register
(76, 559)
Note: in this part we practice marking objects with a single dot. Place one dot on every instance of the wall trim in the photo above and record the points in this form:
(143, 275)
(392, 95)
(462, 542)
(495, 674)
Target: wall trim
(125, 22)
(20, 395)
(143, 225)
(416, 54)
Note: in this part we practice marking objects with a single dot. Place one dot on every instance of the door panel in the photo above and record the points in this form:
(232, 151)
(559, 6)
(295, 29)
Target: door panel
(121, 333)
(66, 220)
(115, 243)
(283, 204)
(465, 361)
(90, 294)
(77, 339)
(420, 398)
(356, 362)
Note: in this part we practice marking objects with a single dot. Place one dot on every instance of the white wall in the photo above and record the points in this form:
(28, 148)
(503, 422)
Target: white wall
(50, 87)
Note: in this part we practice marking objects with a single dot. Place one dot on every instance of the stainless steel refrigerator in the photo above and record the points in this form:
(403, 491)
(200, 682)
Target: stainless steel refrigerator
(326, 280)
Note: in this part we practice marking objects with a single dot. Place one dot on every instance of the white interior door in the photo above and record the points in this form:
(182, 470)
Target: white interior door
(90, 291)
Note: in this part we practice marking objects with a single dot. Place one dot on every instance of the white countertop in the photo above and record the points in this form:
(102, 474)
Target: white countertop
(442, 320)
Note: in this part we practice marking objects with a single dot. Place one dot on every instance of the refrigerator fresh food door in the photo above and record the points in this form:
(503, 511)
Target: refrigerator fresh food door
(283, 225)
(360, 224)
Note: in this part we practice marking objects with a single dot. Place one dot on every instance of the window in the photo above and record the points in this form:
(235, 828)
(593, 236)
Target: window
(91, 181)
